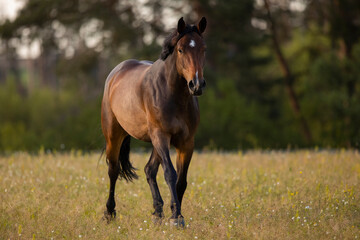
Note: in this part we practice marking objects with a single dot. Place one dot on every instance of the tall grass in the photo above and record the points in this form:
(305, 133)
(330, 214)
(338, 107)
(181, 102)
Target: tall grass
(256, 195)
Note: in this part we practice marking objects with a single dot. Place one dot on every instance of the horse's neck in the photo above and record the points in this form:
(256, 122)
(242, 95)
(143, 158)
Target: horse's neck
(176, 84)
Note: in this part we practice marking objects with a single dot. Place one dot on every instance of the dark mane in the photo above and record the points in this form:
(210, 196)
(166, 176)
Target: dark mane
(173, 38)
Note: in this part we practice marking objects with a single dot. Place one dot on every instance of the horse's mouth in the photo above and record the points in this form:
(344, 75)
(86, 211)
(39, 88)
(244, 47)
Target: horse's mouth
(197, 92)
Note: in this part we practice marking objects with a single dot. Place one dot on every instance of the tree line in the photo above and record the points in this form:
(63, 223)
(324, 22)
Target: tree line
(280, 73)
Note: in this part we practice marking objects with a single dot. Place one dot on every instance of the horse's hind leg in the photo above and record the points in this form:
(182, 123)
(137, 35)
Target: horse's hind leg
(112, 152)
(151, 170)
(114, 135)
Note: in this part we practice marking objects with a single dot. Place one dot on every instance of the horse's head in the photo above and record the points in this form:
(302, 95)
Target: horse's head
(189, 48)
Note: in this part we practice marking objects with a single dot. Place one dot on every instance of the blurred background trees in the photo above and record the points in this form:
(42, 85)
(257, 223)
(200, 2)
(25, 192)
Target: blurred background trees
(280, 73)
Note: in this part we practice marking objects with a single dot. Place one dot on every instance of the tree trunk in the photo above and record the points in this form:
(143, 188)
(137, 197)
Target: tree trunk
(12, 69)
(288, 78)
(348, 34)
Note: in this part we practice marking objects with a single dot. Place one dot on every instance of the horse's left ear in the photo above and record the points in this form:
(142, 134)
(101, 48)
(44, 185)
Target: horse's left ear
(202, 25)
(181, 25)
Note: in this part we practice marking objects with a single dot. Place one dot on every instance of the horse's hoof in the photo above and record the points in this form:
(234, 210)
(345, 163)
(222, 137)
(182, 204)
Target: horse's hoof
(109, 216)
(177, 222)
(157, 218)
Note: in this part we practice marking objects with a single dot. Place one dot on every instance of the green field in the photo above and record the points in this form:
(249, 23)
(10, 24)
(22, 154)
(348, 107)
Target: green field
(253, 195)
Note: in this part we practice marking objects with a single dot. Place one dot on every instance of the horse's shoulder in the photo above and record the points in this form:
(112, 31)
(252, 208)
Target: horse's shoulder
(156, 67)
(155, 74)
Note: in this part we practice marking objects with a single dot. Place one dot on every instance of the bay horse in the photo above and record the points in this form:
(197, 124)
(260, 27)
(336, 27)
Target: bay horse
(156, 102)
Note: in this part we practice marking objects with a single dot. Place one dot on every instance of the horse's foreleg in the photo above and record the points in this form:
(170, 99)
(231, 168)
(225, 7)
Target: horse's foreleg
(151, 170)
(184, 154)
(161, 143)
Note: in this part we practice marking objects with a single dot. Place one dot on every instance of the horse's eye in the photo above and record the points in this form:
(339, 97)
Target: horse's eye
(180, 51)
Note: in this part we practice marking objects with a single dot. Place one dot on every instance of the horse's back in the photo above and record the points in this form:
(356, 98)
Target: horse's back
(127, 66)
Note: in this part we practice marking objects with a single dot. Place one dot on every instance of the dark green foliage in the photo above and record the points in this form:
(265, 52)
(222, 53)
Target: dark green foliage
(245, 104)
(47, 118)
(336, 123)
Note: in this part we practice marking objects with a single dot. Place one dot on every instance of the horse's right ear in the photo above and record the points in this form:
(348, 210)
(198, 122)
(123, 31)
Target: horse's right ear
(181, 25)
(202, 25)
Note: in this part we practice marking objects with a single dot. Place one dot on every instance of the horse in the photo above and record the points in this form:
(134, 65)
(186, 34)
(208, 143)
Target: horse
(156, 102)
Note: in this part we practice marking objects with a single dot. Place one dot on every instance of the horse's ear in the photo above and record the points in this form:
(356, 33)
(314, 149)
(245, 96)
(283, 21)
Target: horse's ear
(202, 25)
(181, 25)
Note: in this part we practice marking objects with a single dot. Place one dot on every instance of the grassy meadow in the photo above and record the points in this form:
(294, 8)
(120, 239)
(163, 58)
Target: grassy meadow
(252, 195)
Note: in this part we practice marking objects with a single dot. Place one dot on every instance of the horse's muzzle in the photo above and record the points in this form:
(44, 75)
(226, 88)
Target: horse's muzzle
(196, 86)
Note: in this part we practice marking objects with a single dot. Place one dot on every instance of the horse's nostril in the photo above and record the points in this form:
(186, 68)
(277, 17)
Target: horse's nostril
(191, 84)
(204, 84)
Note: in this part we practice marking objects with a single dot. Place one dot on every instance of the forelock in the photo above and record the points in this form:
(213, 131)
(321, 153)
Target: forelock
(172, 39)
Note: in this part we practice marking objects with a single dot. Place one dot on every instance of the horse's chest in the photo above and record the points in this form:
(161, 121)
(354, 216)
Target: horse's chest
(180, 128)
(180, 124)
(178, 120)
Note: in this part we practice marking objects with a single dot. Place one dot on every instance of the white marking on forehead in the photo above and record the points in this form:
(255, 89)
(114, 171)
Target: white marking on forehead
(196, 78)
(192, 43)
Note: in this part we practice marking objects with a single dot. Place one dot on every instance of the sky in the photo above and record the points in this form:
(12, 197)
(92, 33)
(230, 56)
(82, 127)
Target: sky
(9, 8)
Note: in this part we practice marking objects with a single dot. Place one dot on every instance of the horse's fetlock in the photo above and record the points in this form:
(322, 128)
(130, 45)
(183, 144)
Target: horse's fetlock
(110, 205)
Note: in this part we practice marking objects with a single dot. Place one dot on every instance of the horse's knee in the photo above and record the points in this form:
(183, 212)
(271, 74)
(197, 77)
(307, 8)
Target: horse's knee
(170, 175)
(150, 173)
(151, 168)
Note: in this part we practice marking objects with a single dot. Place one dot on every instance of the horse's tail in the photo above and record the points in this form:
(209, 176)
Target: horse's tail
(126, 170)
